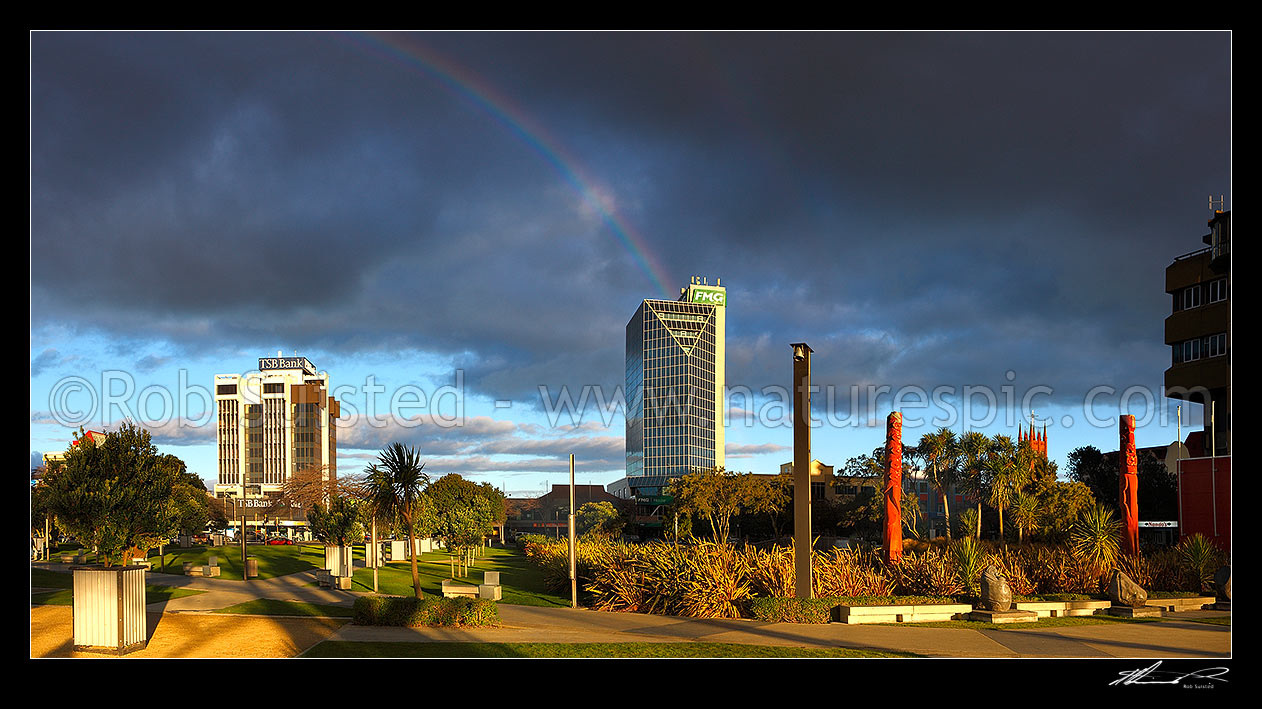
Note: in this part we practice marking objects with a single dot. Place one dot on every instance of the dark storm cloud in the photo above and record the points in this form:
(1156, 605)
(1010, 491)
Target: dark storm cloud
(922, 208)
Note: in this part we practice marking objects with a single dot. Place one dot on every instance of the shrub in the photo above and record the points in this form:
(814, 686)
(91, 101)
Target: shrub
(1199, 559)
(427, 611)
(618, 581)
(967, 559)
(771, 572)
(929, 573)
(848, 572)
(793, 610)
(1165, 571)
(1055, 569)
(1014, 562)
(1094, 538)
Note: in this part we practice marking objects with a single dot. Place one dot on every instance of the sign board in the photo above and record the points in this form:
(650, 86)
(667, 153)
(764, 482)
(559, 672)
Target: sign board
(708, 296)
(1159, 525)
(266, 363)
(254, 502)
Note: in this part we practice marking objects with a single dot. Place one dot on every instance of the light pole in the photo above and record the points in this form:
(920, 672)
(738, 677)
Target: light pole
(802, 542)
(573, 543)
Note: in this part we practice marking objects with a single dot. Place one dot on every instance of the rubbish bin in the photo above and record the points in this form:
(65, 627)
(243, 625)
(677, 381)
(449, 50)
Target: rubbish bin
(251, 567)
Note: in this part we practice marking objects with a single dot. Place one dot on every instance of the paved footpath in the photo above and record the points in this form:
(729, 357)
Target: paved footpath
(186, 627)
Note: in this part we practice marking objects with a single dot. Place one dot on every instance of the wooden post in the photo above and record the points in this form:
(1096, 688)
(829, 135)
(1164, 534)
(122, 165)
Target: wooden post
(1128, 485)
(893, 527)
(802, 540)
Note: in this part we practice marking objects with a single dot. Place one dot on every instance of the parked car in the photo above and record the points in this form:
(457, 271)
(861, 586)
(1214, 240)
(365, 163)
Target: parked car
(280, 540)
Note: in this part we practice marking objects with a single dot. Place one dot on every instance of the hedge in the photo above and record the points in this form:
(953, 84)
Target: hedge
(428, 611)
(793, 610)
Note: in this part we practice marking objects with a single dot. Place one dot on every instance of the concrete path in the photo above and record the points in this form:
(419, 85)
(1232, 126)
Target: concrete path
(1120, 640)
(1177, 636)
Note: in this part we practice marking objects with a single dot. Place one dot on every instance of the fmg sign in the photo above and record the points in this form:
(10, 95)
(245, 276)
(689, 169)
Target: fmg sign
(709, 296)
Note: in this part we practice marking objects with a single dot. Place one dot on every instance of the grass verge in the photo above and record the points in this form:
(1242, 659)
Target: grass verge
(572, 650)
(267, 606)
(1039, 624)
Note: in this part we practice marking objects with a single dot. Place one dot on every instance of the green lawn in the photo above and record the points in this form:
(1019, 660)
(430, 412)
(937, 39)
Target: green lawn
(522, 582)
(273, 561)
(1220, 620)
(266, 606)
(41, 578)
(377, 649)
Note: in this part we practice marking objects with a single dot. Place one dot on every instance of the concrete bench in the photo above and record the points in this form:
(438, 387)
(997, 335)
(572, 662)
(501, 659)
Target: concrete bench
(1061, 609)
(1175, 605)
(490, 587)
(324, 578)
(208, 571)
(928, 613)
(455, 589)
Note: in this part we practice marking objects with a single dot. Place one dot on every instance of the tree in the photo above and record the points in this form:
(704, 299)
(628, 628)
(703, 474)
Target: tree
(394, 489)
(1158, 489)
(337, 524)
(1059, 504)
(190, 505)
(1005, 475)
(599, 519)
(770, 496)
(715, 495)
(940, 454)
(974, 447)
(1025, 514)
(115, 495)
(465, 512)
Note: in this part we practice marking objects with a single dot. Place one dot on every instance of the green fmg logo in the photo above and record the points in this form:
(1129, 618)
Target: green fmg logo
(711, 297)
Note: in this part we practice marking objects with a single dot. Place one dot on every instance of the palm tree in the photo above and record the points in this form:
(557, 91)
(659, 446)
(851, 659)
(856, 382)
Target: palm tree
(974, 447)
(1004, 472)
(940, 453)
(1024, 513)
(394, 487)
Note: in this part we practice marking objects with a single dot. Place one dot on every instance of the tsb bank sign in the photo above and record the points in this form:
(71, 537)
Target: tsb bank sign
(709, 296)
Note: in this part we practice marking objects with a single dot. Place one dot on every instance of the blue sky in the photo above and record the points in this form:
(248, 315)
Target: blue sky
(417, 211)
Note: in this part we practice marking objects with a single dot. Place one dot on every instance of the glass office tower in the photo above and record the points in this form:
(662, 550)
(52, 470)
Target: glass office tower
(674, 383)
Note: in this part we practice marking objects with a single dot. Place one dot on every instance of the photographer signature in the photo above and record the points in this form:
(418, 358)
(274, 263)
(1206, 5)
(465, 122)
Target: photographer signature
(1149, 675)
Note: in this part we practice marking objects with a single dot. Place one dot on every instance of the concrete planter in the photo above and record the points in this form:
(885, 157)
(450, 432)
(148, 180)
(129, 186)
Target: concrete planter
(928, 613)
(397, 550)
(338, 560)
(109, 609)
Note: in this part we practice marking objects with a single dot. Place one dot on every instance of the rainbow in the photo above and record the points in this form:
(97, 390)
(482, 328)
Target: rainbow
(411, 53)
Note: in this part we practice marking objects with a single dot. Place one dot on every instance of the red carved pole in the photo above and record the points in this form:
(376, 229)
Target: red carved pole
(1128, 486)
(893, 532)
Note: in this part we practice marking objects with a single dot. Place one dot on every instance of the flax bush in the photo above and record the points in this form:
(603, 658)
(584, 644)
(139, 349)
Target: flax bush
(848, 572)
(771, 572)
(1014, 563)
(1199, 559)
(928, 573)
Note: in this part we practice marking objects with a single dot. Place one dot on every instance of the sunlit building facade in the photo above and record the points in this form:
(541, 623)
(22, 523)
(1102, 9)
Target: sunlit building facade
(675, 376)
(271, 424)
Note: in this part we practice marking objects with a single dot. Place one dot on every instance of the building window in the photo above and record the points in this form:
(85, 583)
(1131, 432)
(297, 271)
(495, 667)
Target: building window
(1192, 297)
(274, 388)
(226, 389)
(1218, 290)
(1216, 345)
(1191, 350)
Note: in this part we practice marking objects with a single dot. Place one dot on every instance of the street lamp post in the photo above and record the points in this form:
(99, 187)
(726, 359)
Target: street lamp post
(573, 543)
(802, 469)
